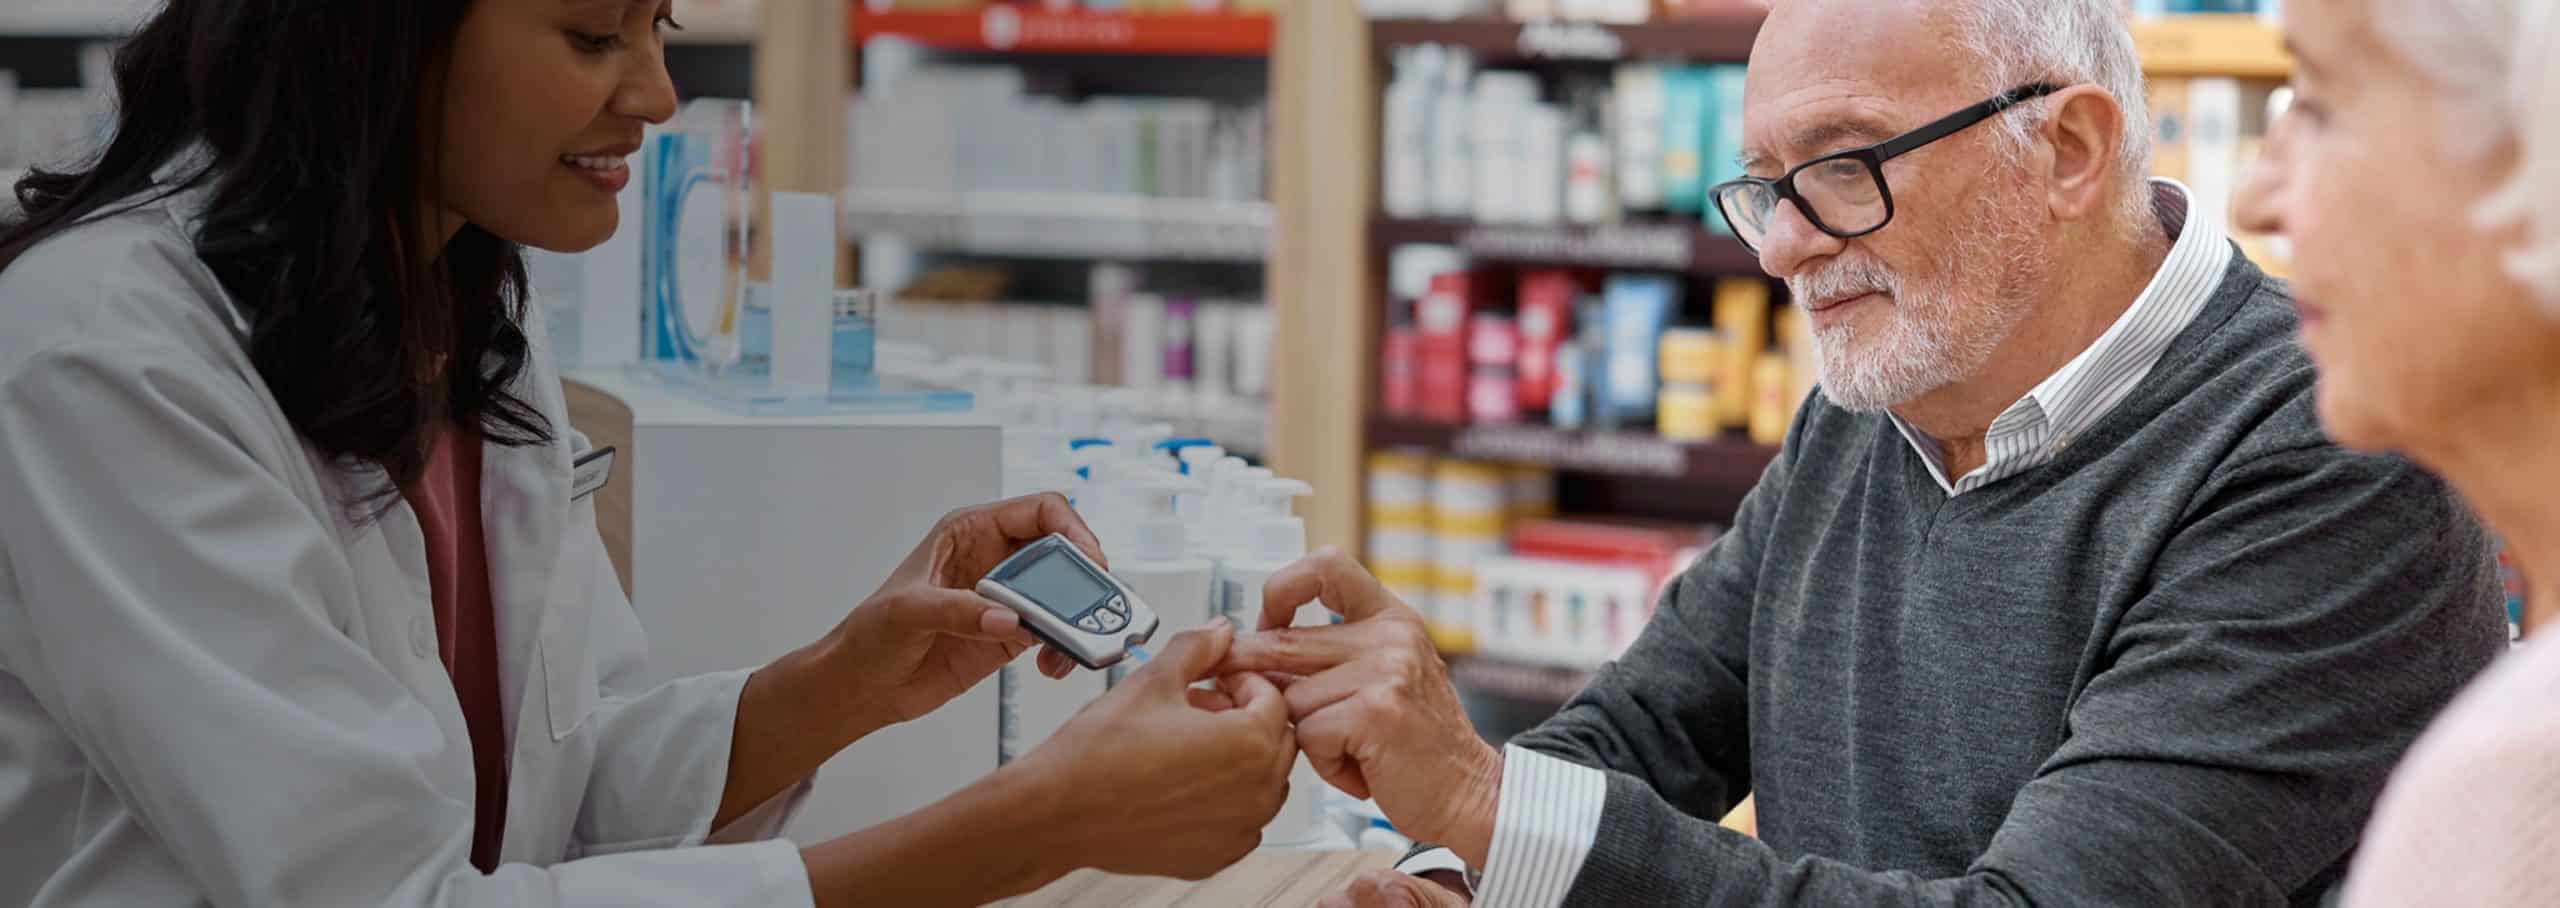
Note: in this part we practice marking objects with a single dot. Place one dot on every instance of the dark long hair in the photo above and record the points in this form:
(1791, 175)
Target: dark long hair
(319, 153)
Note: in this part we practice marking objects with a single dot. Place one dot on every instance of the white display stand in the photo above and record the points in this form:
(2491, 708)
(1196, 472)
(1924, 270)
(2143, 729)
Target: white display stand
(752, 536)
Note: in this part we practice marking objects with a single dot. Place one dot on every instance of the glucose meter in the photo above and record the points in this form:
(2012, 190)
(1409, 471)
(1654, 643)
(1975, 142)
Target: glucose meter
(1070, 603)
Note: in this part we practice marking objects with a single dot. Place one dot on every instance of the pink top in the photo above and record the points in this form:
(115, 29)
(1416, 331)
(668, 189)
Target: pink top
(2472, 816)
(447, 499)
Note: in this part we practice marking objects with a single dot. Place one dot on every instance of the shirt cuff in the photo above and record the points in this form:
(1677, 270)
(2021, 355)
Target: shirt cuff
(1544, 825)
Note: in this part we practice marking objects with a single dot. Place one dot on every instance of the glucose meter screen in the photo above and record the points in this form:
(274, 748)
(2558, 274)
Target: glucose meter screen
(1060, 585)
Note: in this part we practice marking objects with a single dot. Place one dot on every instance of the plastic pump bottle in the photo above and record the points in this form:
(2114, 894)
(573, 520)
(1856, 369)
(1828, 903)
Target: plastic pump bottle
(1158, 562)
(1275, 538)
(1030, 706)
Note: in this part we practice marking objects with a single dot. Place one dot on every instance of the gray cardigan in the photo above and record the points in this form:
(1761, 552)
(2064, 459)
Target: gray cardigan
(2171, 668)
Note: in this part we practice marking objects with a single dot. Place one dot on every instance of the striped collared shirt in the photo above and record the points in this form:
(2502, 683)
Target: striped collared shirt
(2033, 431)
(1548, 817)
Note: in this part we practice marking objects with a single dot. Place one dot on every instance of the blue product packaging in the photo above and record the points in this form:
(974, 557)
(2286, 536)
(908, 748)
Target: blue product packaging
(1638, 305)
(1573, 388)
(1687, 108)
(700, 212)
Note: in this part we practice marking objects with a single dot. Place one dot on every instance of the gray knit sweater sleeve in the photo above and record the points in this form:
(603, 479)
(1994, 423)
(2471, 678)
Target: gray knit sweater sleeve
(2298, 629)
(1672, 711)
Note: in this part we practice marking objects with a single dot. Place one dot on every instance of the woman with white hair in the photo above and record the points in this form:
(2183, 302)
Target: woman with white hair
(2429, 283)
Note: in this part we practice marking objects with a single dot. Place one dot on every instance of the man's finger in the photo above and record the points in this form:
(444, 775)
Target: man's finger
(1312, 694)
(1206, 700)
(1326, 738)
(1330, 577)
(1305, 650)
(1191, 656)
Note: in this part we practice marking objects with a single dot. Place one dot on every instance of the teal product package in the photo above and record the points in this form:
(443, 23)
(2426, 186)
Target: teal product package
(1724, 136)
(1687, 108)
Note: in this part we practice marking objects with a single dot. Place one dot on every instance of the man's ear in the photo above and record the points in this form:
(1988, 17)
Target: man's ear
(2086, 133)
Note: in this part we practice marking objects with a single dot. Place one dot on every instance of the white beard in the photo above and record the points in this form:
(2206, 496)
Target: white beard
(1930, 338)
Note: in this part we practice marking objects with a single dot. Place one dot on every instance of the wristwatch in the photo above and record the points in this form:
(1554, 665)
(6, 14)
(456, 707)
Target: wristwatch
(1440, 865)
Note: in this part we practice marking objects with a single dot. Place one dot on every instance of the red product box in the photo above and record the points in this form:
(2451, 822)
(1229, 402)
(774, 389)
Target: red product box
(1546, 322)
(1654, 547)
(1441, 323)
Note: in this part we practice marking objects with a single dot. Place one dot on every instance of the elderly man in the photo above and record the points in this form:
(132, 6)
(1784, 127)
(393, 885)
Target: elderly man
(2055, 594)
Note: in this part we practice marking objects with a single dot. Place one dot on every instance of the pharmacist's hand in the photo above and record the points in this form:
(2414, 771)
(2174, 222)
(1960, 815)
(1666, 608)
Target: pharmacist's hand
(1154, 780)
(1375, 711)
(926, 637)
(1394, 889)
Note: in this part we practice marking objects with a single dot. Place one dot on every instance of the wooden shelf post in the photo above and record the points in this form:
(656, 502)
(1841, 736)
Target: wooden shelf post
(1324, 94)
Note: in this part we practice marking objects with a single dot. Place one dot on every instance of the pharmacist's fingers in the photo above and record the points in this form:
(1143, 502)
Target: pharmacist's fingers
(1209, 700)
(1329, 577)
(1056, 664)
(1193, 656)
(1032, 517)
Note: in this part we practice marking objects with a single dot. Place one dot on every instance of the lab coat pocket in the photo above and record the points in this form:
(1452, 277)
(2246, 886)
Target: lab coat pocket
(568, 662)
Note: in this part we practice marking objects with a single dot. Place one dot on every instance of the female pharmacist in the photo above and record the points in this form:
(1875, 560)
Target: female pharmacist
(297, 606)
(2418, 176)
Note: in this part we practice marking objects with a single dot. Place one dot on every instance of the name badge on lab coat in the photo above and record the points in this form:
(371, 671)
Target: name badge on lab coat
(591, 472)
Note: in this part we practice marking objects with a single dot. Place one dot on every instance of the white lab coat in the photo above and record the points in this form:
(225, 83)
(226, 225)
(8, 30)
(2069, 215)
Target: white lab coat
(216, 688)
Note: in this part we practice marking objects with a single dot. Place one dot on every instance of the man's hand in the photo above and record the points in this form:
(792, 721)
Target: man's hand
(1392, 889)
(1376, 714)
(926, 636)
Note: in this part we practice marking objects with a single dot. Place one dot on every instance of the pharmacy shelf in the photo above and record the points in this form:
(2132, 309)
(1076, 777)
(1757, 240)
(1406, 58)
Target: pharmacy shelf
(1683, 246)
(1725, 38)
(1545, 685)
(1725, 463)
(1066, 225)
(2238, 45)
(1023, 29)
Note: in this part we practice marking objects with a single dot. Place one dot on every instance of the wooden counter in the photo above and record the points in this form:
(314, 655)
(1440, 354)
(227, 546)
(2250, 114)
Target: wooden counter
(1267, 879)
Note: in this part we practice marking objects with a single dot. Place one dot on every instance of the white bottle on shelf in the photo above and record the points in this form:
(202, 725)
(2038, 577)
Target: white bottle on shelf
(1405, 134)
(1159, 564)
(1453, 152)
(1273, 538)
(1276, 538)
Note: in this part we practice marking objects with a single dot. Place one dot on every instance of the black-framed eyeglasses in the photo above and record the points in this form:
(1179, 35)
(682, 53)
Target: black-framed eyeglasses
(1844, 193)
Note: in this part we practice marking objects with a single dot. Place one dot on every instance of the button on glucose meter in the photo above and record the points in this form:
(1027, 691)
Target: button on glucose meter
(1071, 603)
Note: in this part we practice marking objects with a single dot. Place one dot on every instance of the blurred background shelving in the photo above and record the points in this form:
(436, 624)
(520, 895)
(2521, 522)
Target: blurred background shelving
(1020, 171)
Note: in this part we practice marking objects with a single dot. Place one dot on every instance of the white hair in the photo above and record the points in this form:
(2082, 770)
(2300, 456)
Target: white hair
(2497, 62)
(2066, 42)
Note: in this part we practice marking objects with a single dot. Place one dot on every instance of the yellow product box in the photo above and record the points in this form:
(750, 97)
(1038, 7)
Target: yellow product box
(1687, 413)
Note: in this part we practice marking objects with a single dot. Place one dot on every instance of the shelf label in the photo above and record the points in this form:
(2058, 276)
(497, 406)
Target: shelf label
(1570, 41)
(1629, 454)
(1005, 27)
(1618, 246)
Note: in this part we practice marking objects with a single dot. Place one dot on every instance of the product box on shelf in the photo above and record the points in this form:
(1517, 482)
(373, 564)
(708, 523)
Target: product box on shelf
(1556, 612)
(1443, 319)
(1638, 307)
(1575, 593)
(1742, 317)
(1546, 324)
